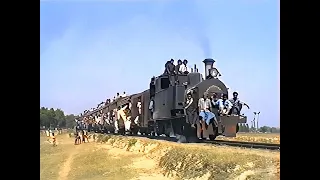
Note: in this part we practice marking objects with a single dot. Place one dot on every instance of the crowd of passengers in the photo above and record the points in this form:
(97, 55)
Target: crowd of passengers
(211, 106)
(102, 104)
(100, 118)
(180, 68)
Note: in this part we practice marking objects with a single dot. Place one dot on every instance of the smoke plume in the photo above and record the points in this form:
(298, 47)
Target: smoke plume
(194, 19)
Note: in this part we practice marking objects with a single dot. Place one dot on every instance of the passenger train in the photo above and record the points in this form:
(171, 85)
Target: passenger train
(168, 93)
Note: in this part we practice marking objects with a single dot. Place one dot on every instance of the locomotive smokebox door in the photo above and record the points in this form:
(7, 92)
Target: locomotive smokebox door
(230, 124)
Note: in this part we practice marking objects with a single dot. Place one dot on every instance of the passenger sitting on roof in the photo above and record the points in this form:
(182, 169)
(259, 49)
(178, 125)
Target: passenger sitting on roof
(183, 67)
(177, 68)
(224, 105)
(118, 95)
(169, 67)
(124, 94)
(107, 102)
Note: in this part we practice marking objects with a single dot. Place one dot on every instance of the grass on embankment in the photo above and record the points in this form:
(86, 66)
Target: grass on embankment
(189, 161)
(97, 164)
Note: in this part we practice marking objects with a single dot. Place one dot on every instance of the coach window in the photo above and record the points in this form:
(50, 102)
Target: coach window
(165, 83)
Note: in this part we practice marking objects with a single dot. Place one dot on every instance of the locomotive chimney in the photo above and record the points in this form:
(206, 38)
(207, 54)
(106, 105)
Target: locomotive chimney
(195, 68)
(208, 64)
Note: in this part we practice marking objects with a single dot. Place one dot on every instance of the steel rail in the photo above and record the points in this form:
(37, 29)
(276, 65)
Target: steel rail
(253, 145)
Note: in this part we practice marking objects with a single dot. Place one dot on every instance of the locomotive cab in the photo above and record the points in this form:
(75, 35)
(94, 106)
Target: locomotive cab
(169, 96)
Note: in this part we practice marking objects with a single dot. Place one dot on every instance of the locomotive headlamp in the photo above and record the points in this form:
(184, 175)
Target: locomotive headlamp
(214, 72)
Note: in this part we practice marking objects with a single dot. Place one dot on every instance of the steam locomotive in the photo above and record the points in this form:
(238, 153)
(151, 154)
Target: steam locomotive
(168, 93)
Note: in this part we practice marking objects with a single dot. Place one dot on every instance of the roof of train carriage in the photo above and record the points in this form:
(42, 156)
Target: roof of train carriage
(116, 101)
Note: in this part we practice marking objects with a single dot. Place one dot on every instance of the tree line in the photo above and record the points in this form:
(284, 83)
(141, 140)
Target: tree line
(264, 129)
(56, 118)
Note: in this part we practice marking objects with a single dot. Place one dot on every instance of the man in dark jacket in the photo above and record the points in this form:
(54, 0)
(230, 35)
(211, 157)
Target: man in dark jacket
(169, 67)
(177, 68)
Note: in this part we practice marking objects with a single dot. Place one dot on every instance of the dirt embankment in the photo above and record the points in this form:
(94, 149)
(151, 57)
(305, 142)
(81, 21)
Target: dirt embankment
(194, 161)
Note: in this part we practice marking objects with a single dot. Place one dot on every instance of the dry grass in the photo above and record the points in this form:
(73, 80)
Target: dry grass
(86, 161)
(122, 158)
(255, 137)
(51, 158)
(190, 161)
(99, 165)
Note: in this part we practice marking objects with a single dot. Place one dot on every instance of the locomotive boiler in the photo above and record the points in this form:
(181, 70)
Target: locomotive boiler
(168, 117)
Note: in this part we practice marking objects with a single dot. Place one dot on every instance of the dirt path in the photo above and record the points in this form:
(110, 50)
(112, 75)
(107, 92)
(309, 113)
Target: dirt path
(66, 167)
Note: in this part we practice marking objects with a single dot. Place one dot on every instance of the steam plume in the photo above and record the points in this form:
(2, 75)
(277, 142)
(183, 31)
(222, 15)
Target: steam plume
(195, 21)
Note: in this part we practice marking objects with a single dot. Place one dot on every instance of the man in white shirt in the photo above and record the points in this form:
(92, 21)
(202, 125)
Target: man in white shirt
(151, 106)
(124, 94)
(115, 120)
(136, 120)
(129, 105)
(224, 105)
(48, 135)
(108, 118)
(183, 67)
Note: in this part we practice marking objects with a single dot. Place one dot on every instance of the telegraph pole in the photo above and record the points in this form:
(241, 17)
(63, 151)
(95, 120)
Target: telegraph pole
(254, 120)
(258, 120)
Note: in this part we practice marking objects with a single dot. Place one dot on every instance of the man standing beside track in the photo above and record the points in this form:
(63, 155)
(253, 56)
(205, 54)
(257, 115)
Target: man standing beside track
(48, 135)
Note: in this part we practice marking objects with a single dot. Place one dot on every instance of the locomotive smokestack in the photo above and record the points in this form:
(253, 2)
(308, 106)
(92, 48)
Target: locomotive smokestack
(208, 64)
(195, 68)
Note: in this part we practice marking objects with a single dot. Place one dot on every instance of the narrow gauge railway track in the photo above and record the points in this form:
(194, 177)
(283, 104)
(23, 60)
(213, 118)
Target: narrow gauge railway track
(244, 144)
(253, 145)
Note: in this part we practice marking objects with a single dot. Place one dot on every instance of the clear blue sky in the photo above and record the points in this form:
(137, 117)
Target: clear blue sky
(91, 50)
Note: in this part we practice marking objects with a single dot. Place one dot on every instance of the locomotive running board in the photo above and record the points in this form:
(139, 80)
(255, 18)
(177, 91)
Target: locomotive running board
(230, 124)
